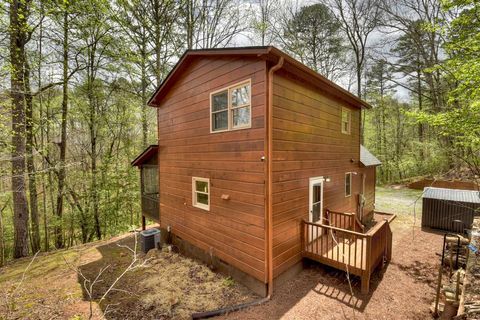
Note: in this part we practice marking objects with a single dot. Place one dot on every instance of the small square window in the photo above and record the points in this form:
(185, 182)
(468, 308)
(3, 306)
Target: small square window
(346, 120)
(348, 184)
(201, 193)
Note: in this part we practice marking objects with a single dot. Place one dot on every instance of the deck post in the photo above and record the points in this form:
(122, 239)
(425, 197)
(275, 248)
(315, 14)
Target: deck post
(143, 222)
(368, 262)
(389, 242)
(302, 232)
(366, 282)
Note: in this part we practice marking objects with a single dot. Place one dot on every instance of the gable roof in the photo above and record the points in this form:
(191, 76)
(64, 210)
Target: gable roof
(146, 155)
(367, 158)
(268, 53)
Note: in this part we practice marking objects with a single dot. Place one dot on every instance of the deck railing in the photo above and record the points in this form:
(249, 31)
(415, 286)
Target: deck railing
(359, 253)
(344, 220)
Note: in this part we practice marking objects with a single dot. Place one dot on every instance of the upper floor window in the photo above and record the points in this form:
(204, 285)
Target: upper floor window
(346, 120)
(231, 108)
(348, 184)
(201, 193)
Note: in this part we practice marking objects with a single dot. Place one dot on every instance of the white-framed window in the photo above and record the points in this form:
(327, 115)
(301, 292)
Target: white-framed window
(348, 184)
(346, 120)
(231, 108)
(201, 193)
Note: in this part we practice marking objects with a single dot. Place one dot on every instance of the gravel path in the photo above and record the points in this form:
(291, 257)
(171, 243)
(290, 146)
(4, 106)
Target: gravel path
(403, 290)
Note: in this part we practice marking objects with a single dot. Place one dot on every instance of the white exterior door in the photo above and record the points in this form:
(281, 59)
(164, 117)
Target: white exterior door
(315, 204)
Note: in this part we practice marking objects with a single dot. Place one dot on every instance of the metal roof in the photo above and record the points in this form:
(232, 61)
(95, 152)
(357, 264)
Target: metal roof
(367, 158)
(468, 196)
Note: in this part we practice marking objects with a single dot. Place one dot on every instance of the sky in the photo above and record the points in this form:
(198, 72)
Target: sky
(378, 42)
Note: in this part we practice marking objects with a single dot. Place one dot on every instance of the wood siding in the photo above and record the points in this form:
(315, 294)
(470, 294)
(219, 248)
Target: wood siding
(308, 142)
(233, 229)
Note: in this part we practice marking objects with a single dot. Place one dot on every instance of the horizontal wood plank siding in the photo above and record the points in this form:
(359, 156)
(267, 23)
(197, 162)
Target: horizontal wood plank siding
(307, 142)
(233, 229)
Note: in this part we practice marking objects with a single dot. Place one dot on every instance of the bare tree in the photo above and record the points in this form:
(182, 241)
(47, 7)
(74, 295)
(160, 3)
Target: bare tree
(89, 284)
(263, 13)
(359, 18)
(213, 23)
(421, 41)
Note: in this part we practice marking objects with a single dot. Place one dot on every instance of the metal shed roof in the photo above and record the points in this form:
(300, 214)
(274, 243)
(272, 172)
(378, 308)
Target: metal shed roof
(367, 158)
(452, 195)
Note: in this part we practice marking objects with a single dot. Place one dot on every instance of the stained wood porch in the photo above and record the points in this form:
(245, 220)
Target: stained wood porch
(355, 252)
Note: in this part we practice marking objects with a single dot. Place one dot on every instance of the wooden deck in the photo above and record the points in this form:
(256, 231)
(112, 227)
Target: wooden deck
(339, 252)
(347, 250)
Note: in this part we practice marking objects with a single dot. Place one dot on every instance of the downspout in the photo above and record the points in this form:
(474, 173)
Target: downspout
(269, 218)
(268, 209)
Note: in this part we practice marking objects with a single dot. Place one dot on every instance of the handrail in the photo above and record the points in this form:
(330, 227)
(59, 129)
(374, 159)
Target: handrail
(342, 213)
(335, 228)
(345, 220)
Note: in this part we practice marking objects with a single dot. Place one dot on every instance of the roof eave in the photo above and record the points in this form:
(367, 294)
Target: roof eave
(270, 53)
(343, 94)
(139, 160)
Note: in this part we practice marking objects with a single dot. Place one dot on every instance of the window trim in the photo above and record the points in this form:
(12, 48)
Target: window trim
(348, 174)
(230, 109)
(194, 193)
(349, 115)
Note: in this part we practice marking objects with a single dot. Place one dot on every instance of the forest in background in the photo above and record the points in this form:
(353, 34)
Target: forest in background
(77, 75)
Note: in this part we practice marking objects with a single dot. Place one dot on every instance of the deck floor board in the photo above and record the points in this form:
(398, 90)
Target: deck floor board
(339, 250)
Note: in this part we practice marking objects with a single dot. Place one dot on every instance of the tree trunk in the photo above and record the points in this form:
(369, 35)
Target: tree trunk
(18, 38)
(2, 241)
(359, 66)
(63, 139)
(420, 108)
(32, 177)
(42, 135)
(93, 152)
(144, 92)
(93, 143)
(189, 24)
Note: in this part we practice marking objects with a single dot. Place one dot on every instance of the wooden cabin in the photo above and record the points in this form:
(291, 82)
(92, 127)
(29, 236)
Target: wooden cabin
(255, 150)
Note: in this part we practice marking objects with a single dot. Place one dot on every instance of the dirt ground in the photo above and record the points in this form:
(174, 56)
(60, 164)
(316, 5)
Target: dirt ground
(163, 286)
(170, 286)
(404, 289)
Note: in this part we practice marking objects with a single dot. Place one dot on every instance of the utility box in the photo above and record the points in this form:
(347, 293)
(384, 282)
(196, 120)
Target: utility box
(150, 239)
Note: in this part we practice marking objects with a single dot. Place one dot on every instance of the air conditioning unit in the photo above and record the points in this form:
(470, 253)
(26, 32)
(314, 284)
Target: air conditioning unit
(150, 239)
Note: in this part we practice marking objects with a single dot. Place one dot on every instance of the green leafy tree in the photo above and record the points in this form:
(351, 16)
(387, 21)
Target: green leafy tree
(460, 122)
